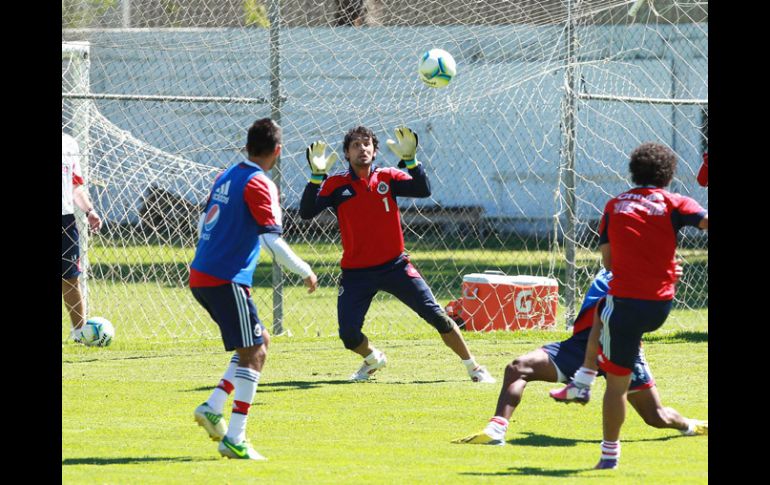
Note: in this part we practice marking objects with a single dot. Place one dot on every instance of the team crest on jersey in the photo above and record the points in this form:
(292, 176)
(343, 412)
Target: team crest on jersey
(212, 217)
(382, 188)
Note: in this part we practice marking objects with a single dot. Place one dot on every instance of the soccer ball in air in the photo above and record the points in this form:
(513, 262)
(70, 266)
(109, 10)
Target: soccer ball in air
(98, 332)
(437, 68)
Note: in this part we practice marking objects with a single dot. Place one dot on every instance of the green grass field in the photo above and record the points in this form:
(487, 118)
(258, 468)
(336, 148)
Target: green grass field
(127, 409)
(127, 416)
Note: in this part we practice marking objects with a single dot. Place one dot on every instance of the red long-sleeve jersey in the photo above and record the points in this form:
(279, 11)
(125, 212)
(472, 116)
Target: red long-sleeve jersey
(367, 212)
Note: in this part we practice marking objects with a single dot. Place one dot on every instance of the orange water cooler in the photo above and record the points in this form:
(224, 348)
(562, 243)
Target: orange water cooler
(495, 301)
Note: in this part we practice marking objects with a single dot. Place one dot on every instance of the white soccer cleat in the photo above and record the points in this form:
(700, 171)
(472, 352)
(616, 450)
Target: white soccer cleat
(481, 374)
(212, 422)
(366, 370)
(700, 428)
(480, 439)
(76, 335)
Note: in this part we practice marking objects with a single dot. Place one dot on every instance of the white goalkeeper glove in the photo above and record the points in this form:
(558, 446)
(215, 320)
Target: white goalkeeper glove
(319, 163)
(405, 148)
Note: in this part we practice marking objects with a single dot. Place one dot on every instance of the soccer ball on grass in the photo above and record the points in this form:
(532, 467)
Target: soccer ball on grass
(437, 67)
(98, 332)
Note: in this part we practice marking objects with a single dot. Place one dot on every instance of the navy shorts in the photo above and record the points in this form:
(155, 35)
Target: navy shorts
(624, 321)
(358, 288)
(569, 354)
(70, 249)
(235, 313)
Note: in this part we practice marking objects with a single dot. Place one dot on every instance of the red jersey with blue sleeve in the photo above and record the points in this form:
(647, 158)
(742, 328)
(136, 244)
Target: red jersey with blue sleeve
(243, 204)
(367, 211)
(641, 228)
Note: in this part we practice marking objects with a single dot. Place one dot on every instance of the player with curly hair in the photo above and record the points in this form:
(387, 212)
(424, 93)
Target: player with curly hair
(637, 240)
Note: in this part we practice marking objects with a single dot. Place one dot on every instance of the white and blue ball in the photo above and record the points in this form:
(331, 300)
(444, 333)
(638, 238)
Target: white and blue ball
(98, 332)
(437, 68)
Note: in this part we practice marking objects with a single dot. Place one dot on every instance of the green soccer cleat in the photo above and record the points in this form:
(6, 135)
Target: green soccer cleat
(241, 451)
(213, 423)
(479, 439)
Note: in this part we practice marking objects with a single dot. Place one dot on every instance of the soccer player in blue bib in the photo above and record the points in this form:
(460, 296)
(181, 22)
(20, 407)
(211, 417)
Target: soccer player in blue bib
(558, 361)
(242, 214)
(373, 256)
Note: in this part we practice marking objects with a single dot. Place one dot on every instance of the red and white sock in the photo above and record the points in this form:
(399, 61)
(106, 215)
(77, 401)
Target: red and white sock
(246, 381)
(219, 395)
(584, 377)
(610, 450)
(496, 427)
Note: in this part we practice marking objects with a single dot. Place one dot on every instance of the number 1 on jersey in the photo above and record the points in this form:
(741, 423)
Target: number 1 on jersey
(387, 206)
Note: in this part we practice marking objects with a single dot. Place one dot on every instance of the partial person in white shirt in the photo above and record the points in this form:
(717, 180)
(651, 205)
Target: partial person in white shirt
(73, 193)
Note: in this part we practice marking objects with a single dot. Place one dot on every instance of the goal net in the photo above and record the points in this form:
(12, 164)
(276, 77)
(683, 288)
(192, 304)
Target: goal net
(523, 148)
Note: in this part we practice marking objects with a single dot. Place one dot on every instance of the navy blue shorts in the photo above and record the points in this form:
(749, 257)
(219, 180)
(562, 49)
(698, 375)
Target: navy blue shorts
(70, 249)
(624, 321)
(569, 354)
(358, 288)
(235, 313)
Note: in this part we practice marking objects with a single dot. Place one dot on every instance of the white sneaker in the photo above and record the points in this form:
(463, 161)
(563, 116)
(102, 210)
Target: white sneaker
(699, 428)
(211, 421)
(480, 439)
(480, 374)
(367, 370)
(76, 335)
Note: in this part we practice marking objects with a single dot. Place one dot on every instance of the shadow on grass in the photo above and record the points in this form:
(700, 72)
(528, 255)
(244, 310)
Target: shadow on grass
(684, 336)
(530, 471)
(440, 381)
(303, 385)
(284, 385)
(541, 440)
(299, 385)
(130, 460)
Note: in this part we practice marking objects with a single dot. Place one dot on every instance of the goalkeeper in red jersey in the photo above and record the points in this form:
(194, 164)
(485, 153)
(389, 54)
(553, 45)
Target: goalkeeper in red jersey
(373, 257)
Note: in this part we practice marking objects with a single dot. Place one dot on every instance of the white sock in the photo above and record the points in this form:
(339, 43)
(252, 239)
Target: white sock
(219, 395)
(584, 377)
(610, 450)
(496, 427)
(373, 357)
(246, 381)
(470, 364)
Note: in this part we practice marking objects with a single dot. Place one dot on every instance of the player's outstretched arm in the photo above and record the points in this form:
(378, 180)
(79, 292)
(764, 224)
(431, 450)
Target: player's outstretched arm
(405, 147)
(311, 203)
(320, 164)
(283, 254)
